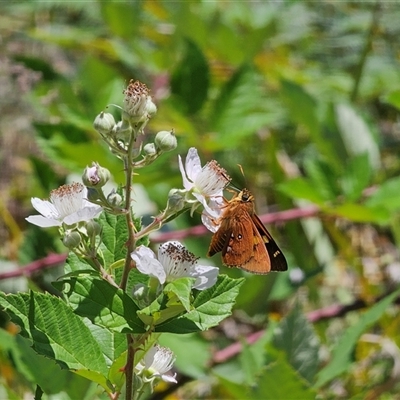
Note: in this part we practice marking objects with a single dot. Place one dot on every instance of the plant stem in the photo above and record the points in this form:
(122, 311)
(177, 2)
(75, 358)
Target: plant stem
(129, 367)
(368, 45)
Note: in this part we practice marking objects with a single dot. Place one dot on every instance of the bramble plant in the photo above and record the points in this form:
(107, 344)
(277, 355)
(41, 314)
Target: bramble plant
(118, 295)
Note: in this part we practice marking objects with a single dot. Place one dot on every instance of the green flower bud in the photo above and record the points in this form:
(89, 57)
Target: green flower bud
(165, 141)
(71, 240)
(104, 123)
(150, 149)
(176, 200)
(122, 130)
(95, 176)
(114, 198)
(93, 228)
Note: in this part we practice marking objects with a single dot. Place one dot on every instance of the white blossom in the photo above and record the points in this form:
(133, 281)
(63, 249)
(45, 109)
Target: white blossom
(67, 205)
(174, 261)
(204, 185)
(155, 365)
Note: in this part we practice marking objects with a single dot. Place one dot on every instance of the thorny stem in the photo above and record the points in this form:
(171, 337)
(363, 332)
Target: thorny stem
(128, 166)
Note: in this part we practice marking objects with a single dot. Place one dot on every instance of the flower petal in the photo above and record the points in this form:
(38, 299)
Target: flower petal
(147, 264)
(43, 222)
(186, 184)
(169, 378)
(45, 208)
(85, 214)
(192, 164)
(206, 276)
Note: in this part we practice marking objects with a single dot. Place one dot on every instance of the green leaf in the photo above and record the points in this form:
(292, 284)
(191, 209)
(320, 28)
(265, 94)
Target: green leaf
(45, 372)
(301, 188)
(102, 303)
(343, 349)
(356, 177)
(322, 178)
(296, 337)
(114, 237)
(242, 108)
(301, 105)
(210, 307)
(387, 195)
(57, 333)
(190, 79)
(280, 381)
(393, 98)
(195, 362)
(181, 289)
(76, 265)
(360, 213)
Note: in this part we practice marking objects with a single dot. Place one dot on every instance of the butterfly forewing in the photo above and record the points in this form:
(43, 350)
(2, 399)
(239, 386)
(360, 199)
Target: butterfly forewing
(277, 259)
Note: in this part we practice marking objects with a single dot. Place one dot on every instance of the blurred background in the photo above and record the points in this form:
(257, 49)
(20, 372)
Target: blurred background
(304, 95)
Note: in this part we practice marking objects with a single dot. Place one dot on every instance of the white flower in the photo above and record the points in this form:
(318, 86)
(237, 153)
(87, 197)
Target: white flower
(67, 205)
(202, 182)
(174, 262)
(155, 364)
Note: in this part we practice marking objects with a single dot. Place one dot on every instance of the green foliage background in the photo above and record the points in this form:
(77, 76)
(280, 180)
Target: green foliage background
(303, 95)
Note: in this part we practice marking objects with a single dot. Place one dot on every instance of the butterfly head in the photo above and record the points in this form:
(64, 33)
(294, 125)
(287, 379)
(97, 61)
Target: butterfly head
(245, 196)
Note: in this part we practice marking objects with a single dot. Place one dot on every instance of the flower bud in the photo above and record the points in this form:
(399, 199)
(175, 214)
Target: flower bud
(122, 130)
(114, 198)
(93, 228)
(72, 240)
(165, 141)
(176, 200)
(151, 108)
(149, 149)
(95, 176)
(104, 123)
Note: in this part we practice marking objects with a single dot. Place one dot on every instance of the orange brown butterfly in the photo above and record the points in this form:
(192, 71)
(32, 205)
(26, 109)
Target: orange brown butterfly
(243, 240)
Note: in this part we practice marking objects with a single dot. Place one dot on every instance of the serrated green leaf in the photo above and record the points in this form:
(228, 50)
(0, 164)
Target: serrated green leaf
(102, 303)
(210, 307)
(57, 333)
(76, 265)
(190, 79)
(342, 352)
(182, 289)
(296, 337)
(114, 237)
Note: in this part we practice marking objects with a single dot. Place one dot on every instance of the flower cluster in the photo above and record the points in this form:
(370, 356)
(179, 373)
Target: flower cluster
(74, 207)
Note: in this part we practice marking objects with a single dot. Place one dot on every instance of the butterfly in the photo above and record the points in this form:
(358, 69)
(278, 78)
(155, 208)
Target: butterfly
(243, 239)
